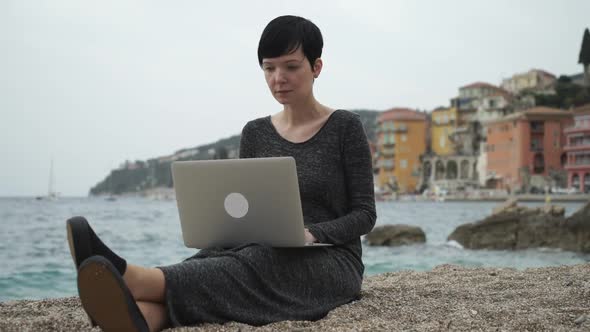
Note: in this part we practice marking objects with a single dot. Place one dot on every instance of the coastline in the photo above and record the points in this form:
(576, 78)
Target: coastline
(448, 297)
(575, 198)
(164, 193)
(524, 198)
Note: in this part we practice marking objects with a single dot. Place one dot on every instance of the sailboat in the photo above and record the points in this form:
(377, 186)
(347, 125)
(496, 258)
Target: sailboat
(51, 193)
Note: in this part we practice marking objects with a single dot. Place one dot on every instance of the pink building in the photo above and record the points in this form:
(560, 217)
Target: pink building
(524, 144)
(578, 150)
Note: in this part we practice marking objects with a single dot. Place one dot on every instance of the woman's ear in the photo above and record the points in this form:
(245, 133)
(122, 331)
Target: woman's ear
(317, 67)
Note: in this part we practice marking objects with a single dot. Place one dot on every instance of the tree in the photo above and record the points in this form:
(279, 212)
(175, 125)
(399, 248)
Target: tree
(584, 58)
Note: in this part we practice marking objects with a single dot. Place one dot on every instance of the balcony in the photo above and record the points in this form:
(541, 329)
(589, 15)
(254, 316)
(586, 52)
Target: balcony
(443, 123)
(578, 167)
(385, 164)
(387, 152)
(577, 147)
(577, 129)
(385, 144)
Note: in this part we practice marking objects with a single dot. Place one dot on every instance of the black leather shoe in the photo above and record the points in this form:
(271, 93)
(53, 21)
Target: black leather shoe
(85, 243)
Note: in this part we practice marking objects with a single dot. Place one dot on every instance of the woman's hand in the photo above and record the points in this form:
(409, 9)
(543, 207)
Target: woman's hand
(309, 238)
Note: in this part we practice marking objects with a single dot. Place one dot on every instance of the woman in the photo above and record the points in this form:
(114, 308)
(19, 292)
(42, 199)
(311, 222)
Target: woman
(257, 284)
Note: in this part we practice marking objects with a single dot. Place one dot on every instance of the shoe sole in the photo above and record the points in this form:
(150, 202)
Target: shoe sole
(106, 298)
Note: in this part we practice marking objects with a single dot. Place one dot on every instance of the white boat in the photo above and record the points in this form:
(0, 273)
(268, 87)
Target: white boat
(52, 195)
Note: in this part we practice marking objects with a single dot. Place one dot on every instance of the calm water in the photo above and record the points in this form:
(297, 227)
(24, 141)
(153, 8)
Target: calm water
(35, 260)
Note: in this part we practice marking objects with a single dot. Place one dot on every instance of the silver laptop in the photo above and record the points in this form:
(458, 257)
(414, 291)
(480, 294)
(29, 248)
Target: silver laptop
(231, 202)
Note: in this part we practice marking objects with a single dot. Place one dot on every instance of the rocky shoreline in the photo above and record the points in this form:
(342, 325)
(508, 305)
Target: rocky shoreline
(574, 198)
(447, 298)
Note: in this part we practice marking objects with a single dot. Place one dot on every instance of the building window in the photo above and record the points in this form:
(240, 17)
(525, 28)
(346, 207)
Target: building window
(403, 163)
(538, 164)
(536, 145)
(537, 126)
(576, 181)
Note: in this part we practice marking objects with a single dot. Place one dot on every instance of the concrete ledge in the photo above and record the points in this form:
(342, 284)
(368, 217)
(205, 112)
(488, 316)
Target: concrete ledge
(447, 298)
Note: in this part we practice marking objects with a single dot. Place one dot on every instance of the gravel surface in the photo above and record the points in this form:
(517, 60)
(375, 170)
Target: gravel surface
(448, 298)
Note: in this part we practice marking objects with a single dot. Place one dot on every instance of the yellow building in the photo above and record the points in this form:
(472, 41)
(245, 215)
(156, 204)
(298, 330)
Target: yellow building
(401, 139)
(444, 122)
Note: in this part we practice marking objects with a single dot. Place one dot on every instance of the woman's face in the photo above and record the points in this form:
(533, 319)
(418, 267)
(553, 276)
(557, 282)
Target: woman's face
(290, 77)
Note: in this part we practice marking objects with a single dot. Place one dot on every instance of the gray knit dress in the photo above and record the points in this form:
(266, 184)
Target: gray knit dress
(257, 284)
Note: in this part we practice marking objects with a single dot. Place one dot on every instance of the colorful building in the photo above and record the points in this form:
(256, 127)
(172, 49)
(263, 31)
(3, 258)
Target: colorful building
(578, 150)
(534, 79)
(401, 139)
(444, 122)
(525, 149)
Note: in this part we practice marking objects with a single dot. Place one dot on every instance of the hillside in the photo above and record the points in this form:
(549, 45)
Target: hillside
(138, 176)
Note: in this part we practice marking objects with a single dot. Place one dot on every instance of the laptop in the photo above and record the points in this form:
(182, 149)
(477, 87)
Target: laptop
(232, 202)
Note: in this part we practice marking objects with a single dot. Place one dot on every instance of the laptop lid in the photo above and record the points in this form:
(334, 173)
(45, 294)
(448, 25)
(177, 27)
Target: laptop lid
(227, 203)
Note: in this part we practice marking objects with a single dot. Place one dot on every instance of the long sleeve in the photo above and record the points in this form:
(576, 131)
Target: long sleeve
(358, 177)
(247, 144)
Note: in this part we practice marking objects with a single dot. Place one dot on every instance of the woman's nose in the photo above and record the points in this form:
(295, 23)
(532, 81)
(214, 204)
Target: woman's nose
(280, 76)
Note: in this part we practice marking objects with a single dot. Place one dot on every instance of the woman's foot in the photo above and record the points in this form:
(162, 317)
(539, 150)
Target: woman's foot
(85, 243)
(106, 298)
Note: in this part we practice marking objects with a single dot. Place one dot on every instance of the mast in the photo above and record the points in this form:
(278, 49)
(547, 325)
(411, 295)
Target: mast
(51, 190)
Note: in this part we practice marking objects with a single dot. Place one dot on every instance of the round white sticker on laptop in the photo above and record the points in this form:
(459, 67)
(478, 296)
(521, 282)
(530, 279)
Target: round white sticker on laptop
(236, 205)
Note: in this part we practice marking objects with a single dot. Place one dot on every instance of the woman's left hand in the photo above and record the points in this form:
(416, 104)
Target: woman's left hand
(309, 238)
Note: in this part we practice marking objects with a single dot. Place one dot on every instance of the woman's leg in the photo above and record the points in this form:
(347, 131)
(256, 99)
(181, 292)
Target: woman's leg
(145, 284)
(155, 315)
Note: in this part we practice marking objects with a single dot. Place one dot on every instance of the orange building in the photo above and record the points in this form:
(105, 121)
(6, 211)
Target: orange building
(401, 139)
(525, 144)
(578, 150)
(444, 123)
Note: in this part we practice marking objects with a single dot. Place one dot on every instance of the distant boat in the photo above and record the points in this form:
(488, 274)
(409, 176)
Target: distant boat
(52, 195)
(110, 198)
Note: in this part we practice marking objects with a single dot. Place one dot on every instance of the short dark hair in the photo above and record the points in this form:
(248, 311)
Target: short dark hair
(285, 34)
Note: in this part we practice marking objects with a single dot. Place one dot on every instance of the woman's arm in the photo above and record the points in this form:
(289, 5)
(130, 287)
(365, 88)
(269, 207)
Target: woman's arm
(358, 175)
(247, 145)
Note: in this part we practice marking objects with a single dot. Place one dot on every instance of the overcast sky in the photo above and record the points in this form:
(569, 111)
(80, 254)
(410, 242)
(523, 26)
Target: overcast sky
(90, 84)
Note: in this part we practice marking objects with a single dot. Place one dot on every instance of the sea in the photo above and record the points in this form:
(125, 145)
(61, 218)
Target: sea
(35, 262)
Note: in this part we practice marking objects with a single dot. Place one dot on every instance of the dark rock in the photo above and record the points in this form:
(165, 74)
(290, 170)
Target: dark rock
(516, 227)
(495, 232)
(540, 229)
(510, 203)
(578, 225)
(395, 235)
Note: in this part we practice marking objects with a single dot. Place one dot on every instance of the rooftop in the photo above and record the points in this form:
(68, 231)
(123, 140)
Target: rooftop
(480, 85)
(534, 113)
(401, 114)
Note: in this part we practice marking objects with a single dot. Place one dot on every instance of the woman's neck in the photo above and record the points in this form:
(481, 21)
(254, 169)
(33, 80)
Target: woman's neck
(297, 114)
